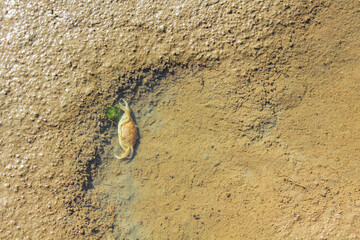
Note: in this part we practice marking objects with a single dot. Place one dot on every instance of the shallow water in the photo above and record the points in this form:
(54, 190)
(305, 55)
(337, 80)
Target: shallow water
(188, 126)
(120, 190)
(211, 157)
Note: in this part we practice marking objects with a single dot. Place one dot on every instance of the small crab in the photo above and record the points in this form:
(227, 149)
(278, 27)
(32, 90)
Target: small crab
(127, 132)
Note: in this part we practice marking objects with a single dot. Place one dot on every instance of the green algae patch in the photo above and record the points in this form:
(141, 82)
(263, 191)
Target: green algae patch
(113, 113)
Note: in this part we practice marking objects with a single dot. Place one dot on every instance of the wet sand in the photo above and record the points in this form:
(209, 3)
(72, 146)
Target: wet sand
(248, 115)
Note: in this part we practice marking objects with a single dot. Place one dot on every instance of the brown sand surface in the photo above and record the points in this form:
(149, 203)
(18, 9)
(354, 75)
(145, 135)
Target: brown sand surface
(248, 115)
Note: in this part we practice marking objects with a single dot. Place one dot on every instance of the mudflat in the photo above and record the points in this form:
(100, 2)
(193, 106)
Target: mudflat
(248, 117)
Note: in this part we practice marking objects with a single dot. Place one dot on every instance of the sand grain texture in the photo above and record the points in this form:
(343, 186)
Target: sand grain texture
(248, 115)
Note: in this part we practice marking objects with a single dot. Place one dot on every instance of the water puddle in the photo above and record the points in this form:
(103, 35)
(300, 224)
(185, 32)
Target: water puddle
(120, 191)
(191, 127)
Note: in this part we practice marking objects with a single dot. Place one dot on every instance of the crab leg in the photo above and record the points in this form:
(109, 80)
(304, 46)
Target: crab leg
(126, 112)
(128, 151)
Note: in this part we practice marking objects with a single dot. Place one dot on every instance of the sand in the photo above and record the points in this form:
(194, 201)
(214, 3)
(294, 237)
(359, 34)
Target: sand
(247, 112)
